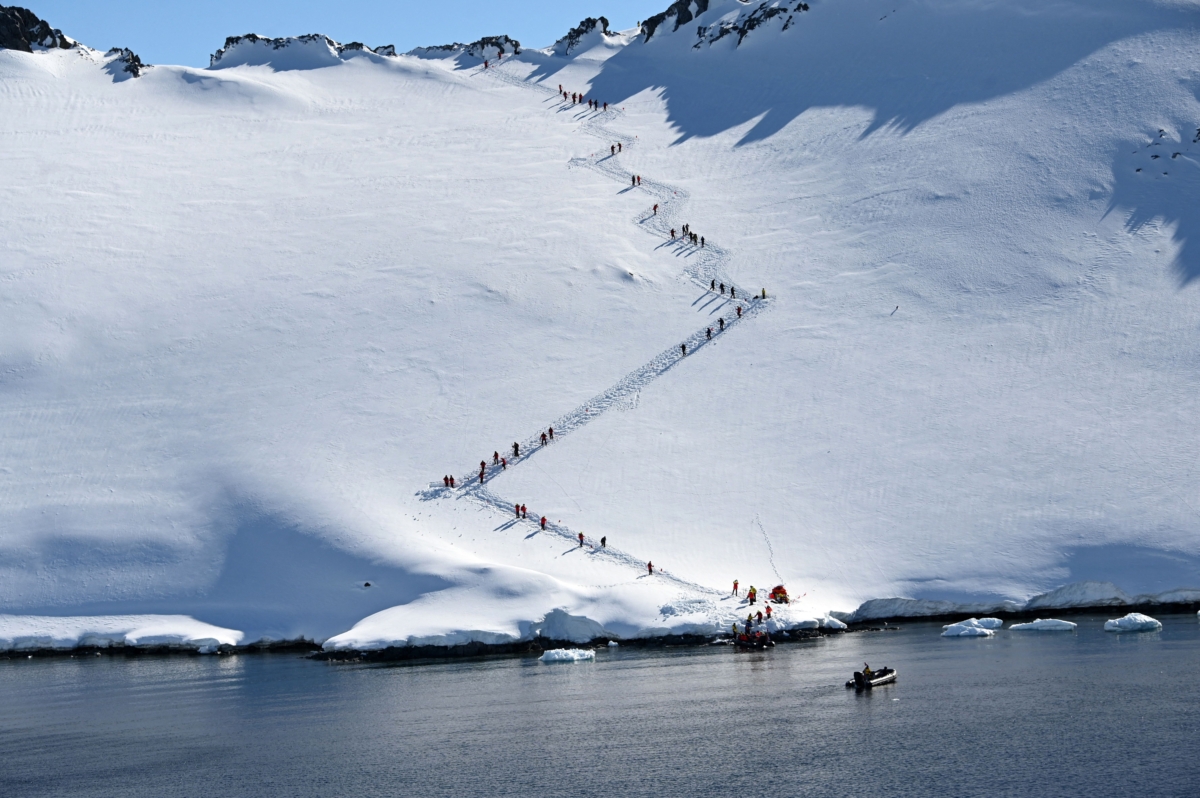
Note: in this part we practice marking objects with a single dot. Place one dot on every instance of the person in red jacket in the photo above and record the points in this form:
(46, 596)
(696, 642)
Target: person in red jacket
(581, 540)
(523, 515)
(735, 587)
(650, 568)
(543, 522)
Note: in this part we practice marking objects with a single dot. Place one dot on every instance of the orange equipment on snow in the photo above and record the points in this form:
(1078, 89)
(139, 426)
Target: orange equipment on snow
(779, 594)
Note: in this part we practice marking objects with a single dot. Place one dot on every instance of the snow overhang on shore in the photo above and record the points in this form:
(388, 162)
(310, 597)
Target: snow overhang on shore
(41, 633)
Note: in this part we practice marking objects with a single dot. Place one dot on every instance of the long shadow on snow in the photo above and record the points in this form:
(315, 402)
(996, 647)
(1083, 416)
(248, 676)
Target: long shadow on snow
(276, 580)
(1159, 178)
(907, 68)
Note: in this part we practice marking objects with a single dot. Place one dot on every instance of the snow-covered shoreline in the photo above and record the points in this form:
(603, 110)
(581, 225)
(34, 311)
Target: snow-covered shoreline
(42, 635)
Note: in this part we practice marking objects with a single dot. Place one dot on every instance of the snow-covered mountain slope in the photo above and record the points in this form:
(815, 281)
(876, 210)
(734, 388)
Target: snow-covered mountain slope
(254, 312)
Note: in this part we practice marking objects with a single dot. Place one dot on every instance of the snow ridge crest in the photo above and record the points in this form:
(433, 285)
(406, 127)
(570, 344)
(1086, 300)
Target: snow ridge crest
(292, 52)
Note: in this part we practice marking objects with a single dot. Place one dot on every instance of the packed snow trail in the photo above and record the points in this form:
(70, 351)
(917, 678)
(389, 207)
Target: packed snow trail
(705, 265)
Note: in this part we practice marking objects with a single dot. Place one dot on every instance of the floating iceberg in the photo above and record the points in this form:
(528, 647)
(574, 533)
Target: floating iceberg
(832, 623)
(1044, 625)
(1133, 622)
(972, 627)
(567, 655)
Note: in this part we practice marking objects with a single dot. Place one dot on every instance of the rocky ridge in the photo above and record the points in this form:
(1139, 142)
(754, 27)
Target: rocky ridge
(233, 42)
(21, 29)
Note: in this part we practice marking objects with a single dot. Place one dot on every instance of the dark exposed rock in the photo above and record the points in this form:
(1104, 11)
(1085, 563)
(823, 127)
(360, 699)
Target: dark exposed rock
(21, 29)
(128, 61)
(684, 11)
(478, 49)
(308, 38)
(681, 10)
(566, 44)
(744, 24)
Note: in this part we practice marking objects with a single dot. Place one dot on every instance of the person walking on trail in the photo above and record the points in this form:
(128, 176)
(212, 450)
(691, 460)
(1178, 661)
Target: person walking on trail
(503, 464)
(764, 295)
(485, 63)
(633, 180)
(618, 146)
(721, 323)
(523, 515)
(708, 334)
(495, 457)
(612, 150)
(452, 480)
(672, 233)
(722, 289)
(739, 311)
(517, 509)
(543, 439)
(445, 480)
(656, 209)
(482, 465)
(552, 433)
(732, 292)
(480, 477)
(516, 450)
(604, 542)
(768, 612)
(735, 587)
(650, 568)
(639, 179)
(712, 286)
(581, 540)
(701, 241)
(543, 522)
(683, 348)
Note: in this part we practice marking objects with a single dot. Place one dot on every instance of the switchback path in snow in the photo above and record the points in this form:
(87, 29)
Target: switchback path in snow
(702, 265)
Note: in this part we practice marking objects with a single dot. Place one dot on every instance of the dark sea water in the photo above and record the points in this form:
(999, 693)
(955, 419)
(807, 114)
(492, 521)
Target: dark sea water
(1086, 713)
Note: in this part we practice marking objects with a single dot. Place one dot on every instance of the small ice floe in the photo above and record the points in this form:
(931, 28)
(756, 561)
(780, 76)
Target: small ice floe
(613, 644)
(1043, 625)
(1133, 622)
(829, 622)
(972, 627)
(568, 655)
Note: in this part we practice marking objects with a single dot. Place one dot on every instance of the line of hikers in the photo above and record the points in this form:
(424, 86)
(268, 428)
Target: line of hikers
(577, 97)
(686, 233)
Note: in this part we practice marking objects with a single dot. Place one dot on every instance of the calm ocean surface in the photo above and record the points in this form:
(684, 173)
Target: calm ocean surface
(1086, 713)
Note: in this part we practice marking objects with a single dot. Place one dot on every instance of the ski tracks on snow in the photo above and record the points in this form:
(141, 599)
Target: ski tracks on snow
(702, 265)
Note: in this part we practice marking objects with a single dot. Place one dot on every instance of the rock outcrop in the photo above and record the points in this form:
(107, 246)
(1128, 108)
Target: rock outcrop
(21, 29)
(239, 50)
(127, 61)
(488, 47)
(750, 17)
(681, 11)
(567, 44)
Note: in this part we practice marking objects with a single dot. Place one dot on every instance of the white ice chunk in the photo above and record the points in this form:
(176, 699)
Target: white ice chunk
(1044, 625)
(830, 622)
(567, 655)
(1133, 622)
(971, 627)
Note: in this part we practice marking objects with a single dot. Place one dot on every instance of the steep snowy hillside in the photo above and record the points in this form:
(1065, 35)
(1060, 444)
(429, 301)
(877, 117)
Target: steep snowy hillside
(254, 313)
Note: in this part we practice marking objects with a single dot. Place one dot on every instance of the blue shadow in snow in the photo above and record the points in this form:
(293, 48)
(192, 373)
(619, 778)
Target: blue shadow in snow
(1134, 569)
(275, 580)
(906, 68)
(1159, 178)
